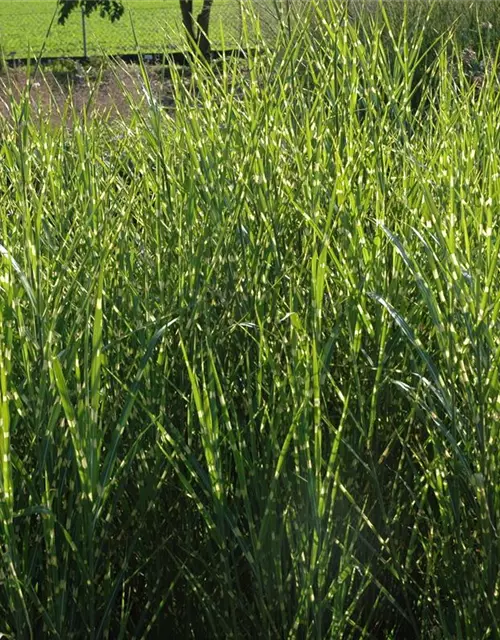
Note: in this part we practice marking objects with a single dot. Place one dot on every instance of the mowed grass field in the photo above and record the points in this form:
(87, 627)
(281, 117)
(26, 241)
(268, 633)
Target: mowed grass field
(26, 26)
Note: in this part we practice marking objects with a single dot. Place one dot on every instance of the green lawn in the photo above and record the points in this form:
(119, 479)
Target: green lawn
(24, 26)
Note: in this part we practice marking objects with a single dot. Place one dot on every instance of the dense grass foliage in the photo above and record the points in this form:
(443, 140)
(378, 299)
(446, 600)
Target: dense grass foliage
(471, 22)
(249, 354)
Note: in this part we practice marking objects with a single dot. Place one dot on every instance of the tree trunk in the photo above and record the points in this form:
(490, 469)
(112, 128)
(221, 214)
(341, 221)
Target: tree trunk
(187, 18)
(203, 22)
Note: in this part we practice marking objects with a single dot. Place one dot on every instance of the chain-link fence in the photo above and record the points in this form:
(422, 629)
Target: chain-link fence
(30, 27)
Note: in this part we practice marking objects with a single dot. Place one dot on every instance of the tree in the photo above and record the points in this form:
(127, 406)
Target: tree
(196, 26)
(112, 8)
(197, 29)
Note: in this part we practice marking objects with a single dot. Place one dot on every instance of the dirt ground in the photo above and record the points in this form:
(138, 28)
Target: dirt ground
(109, 91)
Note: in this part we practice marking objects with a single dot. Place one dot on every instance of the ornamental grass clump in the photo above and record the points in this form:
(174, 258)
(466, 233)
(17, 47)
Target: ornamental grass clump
(249, 351)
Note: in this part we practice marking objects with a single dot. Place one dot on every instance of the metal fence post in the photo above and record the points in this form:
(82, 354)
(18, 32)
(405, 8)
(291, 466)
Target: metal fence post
(240, 35)
(84, 34)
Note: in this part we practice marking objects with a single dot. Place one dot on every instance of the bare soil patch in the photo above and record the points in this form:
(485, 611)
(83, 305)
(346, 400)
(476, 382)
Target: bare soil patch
(69, 88)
